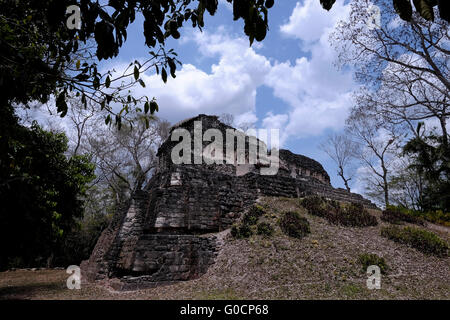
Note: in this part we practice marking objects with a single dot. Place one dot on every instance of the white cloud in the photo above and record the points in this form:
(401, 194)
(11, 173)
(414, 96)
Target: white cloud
(246, 119)
(276, 121)
(309, 21)
(229, 87)
(318, 94)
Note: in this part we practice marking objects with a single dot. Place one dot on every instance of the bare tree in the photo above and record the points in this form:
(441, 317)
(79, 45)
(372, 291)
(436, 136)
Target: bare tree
(407, 186)
(379, 151)
(342, 150)
(80, 117)
(403, 66)
(126, 158)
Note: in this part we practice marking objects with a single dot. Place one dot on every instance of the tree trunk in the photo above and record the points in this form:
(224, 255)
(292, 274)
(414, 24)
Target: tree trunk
(341, 174)
(385, 184)
(443, 122)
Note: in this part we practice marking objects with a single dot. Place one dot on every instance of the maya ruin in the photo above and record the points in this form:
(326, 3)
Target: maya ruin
(166, 232)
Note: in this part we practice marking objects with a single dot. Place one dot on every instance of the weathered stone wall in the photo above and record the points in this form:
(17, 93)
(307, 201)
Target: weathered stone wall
(159, 259)
(158, 237)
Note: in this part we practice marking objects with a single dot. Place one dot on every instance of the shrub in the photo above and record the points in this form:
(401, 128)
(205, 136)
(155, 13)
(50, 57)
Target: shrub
(371, 259)
(353, 215)
(437, 216)
(397, 215)
(422, 240)
(314, 205)
(241, 231)
(265, 229)
(293, 225)
(252, 215)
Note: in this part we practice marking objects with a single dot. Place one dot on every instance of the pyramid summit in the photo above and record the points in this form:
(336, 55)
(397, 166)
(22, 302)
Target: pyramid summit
(166, 232)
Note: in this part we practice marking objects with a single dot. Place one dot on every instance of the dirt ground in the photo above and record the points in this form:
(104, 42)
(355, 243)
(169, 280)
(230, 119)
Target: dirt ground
(323, 265)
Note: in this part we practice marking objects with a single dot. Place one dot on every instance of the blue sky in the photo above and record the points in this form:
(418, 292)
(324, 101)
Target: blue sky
(288, 81)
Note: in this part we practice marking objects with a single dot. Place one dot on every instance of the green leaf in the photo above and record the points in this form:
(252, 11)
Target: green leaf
(403, 9)
(153, 107)
(119, 121)
(61, 104)
(164, 75)
(107, 82)
(444, 9)
(269, 4)
(261, 30)
(142, 83)
(425, 9)
(172, 67)
(136, 73)
(146, 107)
(96, 83)
(176, 34)
(326, 4)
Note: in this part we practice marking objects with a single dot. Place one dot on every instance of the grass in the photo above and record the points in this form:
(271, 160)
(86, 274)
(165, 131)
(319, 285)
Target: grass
(398, 215)
(293, 225)
(349, 215)
(225, 294)
(323, 265)
(420, 239)
(369, 259)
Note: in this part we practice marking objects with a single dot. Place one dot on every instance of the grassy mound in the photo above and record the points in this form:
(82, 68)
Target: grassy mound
(398, 215)
(422, 240)
(371, 259)
(250, 226)
(349, 215)
(293, 225)
(265, 229)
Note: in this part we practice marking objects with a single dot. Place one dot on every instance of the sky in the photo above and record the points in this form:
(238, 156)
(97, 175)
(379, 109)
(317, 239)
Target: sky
(288, 81)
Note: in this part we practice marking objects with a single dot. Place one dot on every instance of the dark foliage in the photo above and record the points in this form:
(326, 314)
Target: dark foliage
(397, 215)
(352, 215)
(244, 228)
(371, 259)
(422, 240)
(42, 56)
(265, 229)
(241, 231)
(81, 240)
(40, 192)
(293, 225)
(404, 8)
(252, 215)
(430, 155)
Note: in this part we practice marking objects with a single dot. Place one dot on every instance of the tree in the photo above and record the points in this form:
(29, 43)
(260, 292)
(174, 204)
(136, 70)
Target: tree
(431, 158)
(41, 192)
(125, 159)
(41, 56)
(405, 10)
(404, 67)
(407, 186)
(378, 151)
(342, 150)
